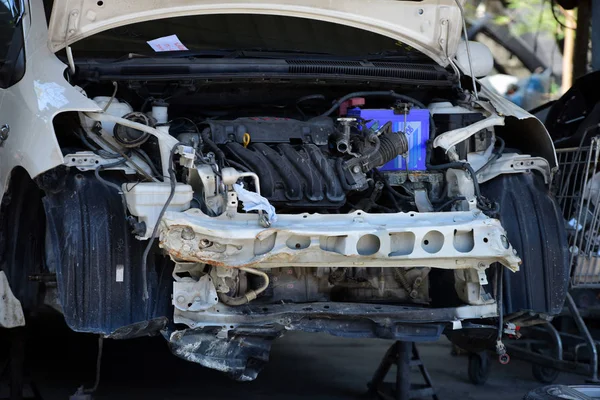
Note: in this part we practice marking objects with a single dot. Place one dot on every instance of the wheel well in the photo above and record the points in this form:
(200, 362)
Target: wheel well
(22, 236)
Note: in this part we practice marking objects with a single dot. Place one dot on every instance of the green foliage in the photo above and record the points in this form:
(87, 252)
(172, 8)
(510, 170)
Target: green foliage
(530, 12)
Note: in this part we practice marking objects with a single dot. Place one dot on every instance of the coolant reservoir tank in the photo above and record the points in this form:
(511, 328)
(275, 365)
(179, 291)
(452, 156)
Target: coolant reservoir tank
(116, 108)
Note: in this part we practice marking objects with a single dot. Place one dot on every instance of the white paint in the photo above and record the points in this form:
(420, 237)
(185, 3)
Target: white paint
(120, 272)
(167, 43)
(11, 312)
(416, 24)
(49, 94)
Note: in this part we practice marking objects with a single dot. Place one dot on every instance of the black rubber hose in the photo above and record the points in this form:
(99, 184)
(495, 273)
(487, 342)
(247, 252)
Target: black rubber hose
(388, 93)
(467, 167)
(497, 154)
(146, 158)
(213, 146)
(449, 202)
(173, 182)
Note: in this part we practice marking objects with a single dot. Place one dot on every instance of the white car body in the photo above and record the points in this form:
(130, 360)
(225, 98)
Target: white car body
(355, 240)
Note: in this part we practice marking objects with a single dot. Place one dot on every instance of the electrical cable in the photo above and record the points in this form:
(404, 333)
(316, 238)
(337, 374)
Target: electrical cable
(306, 98)
(499, 302)
(104, 181)
(497, 154)
(212, 145)
(114, 94)
(466, 35)
(173, 182)
(388, 93)
(141, 153)
(481, 201)
(449, 202)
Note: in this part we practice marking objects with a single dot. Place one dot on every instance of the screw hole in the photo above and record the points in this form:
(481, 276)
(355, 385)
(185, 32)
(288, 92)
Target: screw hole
(298, 245)
(189, 304)
(485, 240)
(72, 159)
(216, 299)
(100, 3)
(326, 307)
(305, 216)
(426, 242)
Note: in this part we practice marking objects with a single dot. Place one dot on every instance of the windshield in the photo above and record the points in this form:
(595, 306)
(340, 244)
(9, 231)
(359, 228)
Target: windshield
(235, 32)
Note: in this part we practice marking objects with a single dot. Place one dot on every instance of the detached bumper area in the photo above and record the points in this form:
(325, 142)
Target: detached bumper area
(238, 340)
(451, 240)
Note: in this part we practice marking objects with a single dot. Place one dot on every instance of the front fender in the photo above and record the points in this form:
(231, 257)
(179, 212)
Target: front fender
(522, 130)
(29, 106)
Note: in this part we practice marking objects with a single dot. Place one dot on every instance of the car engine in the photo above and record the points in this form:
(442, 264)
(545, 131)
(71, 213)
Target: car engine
(354, 157)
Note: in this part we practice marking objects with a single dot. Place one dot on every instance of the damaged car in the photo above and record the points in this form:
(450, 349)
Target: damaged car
(223, 172)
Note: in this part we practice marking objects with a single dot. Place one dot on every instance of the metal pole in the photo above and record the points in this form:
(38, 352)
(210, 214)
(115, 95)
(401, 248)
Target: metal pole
(568, 51)
(586, 336)
(596, 35)
(403, 370)
(582, 38)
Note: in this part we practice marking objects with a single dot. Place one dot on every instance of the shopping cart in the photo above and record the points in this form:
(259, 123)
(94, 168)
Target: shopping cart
(566, 344)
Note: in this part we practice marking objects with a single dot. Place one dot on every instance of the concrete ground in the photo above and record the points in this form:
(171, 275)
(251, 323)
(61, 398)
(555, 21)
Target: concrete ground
(302, 365)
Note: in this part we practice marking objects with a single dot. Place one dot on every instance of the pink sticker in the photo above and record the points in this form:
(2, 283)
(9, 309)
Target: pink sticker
(167, 43)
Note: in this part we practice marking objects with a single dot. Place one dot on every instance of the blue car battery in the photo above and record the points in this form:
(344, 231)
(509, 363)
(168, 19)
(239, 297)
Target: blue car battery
(416, 131)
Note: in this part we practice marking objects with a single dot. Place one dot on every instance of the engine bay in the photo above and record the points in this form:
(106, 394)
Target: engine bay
(347, 154)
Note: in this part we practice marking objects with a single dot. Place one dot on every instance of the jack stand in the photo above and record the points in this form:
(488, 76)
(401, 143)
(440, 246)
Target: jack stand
(13, 367)
(400, 354)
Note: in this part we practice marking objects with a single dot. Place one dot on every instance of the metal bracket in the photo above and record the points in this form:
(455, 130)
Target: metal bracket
(443, 40)
(515, 164)
(89, 161)
(191, 293)
(72, 23)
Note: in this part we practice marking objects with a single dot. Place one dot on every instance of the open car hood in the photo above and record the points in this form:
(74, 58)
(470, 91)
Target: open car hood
(430, 26)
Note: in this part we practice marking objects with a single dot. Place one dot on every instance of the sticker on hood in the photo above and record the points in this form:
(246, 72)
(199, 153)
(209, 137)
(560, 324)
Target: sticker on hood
(167, 43)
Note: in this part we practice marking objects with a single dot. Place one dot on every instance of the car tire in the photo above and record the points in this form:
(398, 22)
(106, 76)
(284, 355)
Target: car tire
(544, 374)
(479, 367)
